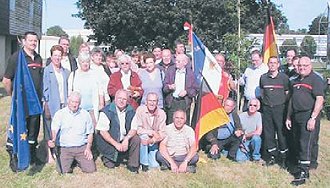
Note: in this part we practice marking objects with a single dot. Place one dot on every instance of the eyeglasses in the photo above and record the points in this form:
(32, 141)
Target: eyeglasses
(253, 105)
(304, 65)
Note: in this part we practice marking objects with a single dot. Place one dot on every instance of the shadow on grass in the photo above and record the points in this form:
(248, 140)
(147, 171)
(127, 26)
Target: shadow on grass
(3, 92)
(42, 158)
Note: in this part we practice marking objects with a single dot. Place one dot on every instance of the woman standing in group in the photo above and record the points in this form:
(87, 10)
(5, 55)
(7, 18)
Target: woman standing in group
(55, 88)
(84, 81)
(151, 78)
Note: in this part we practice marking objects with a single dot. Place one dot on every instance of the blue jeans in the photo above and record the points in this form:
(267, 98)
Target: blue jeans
(254, 144)
(148, 153)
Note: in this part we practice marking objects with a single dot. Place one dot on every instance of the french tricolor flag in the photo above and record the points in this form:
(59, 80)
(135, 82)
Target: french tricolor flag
(205, 65)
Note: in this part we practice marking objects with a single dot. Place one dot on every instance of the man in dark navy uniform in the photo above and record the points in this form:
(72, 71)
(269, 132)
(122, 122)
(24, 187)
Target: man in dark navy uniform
(34, 61)
(274, 87)
(304, 115)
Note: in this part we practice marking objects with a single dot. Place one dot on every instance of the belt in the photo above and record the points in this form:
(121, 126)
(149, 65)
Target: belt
(73, 146)
(178, 98)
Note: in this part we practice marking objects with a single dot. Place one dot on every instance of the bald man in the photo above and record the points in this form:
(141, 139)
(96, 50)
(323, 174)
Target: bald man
(304, 115)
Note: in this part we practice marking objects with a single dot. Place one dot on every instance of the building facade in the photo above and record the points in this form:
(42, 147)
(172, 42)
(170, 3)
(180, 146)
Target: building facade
(321, 42)
(17, 17)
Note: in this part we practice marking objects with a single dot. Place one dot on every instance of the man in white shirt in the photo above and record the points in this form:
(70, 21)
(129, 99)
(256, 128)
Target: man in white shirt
(251, 77)
(117, 138)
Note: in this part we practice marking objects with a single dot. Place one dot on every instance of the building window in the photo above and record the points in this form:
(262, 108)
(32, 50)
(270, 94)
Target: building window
(31, 11)
(12, 5)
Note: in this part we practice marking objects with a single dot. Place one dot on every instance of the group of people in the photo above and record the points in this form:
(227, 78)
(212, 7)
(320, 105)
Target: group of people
(137, 108)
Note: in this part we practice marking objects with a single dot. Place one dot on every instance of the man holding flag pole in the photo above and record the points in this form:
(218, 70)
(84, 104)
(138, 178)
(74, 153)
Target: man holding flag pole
(23, 81)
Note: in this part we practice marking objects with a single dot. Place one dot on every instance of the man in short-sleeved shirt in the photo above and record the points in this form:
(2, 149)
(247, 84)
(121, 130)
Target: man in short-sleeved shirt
(34, 63)
(274, 87)
(117, 138)
(72, 130)
(178, 150)
(304, 112)
(252, 128)
(251, 77)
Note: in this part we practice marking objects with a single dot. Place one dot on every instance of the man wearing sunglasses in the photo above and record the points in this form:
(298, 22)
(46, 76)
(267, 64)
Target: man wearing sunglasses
(252, 126)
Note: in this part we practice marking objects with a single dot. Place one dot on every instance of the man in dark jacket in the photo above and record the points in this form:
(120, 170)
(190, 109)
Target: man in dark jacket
(117, 138)
(226, 136)
(179, 88)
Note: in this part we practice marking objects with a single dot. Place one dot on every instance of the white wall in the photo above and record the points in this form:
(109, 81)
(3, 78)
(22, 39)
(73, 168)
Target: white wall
(46, 43)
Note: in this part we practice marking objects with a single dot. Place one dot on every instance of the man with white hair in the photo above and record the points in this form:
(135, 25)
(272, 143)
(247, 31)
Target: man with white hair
(126, 79)
(72, 131)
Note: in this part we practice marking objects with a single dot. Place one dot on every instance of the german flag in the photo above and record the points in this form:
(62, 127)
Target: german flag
(269, 45)
(208, 113)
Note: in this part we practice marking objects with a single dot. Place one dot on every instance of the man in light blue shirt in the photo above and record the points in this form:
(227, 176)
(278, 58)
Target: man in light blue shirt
(72, 130)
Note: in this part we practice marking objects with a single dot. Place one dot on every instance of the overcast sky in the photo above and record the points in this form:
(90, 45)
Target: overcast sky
(300, 13)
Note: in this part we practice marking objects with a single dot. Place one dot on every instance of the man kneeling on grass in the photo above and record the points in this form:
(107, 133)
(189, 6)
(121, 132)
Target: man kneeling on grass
(72, 130)
(178, 150)
(225, 136)
(116, 139)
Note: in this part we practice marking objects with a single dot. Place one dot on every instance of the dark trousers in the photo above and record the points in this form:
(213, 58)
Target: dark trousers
(177, 159)
(33, 126)
(231, 143)
(307, 140)
(132, 154)
(245, 105)
(273, 123)
(177, 104)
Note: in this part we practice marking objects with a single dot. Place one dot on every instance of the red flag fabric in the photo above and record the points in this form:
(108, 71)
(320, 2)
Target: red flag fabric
(208, 114)
(269, 45)
(187, 26)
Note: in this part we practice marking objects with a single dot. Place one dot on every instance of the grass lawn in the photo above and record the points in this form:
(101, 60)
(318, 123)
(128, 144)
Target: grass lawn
(221, 173)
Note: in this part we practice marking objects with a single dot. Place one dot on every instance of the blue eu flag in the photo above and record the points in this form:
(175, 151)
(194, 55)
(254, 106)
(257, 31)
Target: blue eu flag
(25, 102)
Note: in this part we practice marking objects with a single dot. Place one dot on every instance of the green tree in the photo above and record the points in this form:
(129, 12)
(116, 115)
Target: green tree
(230, 41)
(56, 31)
(308, 46)
(288, 44)
(75, 42)
(319, 26)
(130, 23)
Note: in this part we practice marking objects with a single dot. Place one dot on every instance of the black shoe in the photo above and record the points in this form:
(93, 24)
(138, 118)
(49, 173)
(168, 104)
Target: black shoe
(282, 164)
(231, 158)
(191, 169)
(300, 178)
(163, 167)
(133, 169)
(145, 168)
(313, 166)
(108, 163)
(270, 162)
(13, 163)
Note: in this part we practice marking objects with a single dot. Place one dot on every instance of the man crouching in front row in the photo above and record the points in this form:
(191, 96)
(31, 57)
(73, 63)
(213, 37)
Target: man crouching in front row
(117, 138)
(178, 150)
(72, 131)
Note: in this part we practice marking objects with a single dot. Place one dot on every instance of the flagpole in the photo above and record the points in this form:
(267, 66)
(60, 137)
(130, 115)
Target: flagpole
(192, 42)
(239, 51)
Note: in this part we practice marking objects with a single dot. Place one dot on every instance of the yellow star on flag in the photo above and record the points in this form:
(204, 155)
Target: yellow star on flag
(23, 136)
